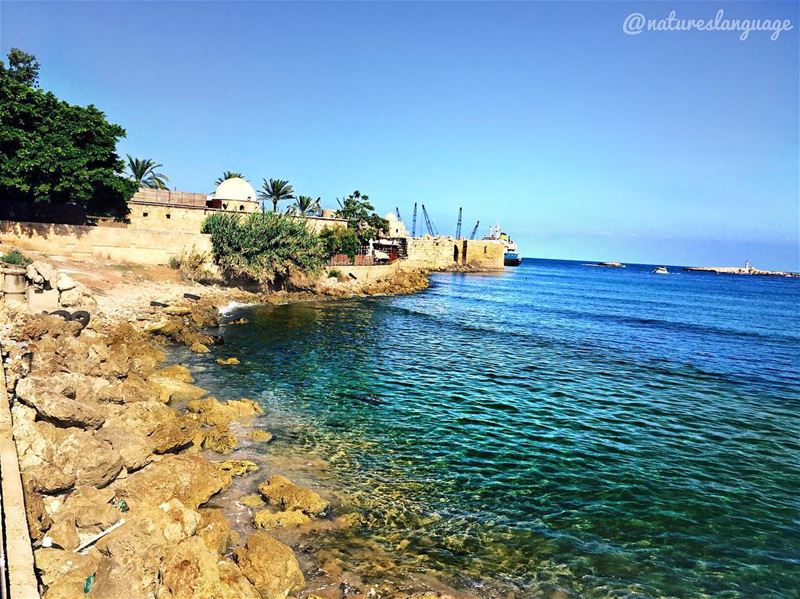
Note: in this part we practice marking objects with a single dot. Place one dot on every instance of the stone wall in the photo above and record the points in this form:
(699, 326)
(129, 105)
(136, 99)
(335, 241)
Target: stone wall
(190, 219)
(120, 244)
(441, 252)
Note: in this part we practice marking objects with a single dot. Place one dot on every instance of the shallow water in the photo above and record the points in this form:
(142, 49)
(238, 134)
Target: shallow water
(603, 432)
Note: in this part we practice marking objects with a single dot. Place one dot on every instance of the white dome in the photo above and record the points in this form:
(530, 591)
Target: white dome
(235, 189)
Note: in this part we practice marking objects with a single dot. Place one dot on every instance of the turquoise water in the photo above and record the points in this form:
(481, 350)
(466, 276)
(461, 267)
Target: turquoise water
(556, 427)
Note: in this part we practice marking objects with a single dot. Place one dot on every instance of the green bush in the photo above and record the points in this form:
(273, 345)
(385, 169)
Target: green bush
(334, 274)
(16, 258)
(263, 247)
(340, 241)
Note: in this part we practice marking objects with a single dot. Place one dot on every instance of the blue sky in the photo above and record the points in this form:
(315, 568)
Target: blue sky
(582, 141)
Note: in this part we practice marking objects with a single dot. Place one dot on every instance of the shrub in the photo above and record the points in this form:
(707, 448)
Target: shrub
(334, 274)
(16, 258)
(192, 266)
(340, 241)
(263, 247)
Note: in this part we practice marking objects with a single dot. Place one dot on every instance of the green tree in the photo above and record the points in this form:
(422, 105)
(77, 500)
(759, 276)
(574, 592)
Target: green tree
(341, 240)
(307, 206)
(22, 67)
(263, 247)
(54, 153)
(361, 216)
(275, 190)
(228, 175)
(143, 172)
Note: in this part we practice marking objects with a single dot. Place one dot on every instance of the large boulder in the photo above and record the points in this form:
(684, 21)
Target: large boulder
(286, 519)
(64, 573)
(47, 398)
(175, 434)
(280, 491)
(84, 513)
(135, 448)
(132, 555)
(215, 531)
(271, 566)
(170, 389)
(178, 372)
(192, 571)
(219, 439)
(189, 478)
(212, 412)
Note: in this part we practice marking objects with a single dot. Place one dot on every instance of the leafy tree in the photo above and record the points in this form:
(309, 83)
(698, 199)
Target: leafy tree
(53, 153)
(340, 240)
(276, 190)
(228, 175)
(307, 206)
(262, 247)
(143, 172)
(361, 216)
(22, 67)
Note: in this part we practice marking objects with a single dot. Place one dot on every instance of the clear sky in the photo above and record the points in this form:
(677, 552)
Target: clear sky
(582, 141)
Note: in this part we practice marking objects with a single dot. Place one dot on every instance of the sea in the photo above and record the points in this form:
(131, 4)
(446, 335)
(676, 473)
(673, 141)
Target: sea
(552, 430)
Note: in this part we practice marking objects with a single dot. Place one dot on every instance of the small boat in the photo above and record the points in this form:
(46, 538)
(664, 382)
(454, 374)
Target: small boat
(660, 270)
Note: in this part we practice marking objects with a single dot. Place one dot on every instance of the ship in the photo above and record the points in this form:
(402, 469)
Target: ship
(511, 256)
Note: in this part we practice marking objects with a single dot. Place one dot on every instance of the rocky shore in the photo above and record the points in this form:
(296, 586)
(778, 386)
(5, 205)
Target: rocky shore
(121, 453)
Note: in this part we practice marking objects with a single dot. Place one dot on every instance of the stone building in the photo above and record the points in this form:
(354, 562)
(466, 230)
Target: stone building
(180, 211)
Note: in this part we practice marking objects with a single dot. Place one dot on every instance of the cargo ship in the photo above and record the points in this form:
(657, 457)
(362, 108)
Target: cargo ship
(511, 256)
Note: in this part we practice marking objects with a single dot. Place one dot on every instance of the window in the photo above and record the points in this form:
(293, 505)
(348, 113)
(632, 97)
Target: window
(168, 215)
(144, 214)
(241, 208)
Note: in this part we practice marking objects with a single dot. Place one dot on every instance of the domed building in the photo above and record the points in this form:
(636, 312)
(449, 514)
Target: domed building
(235, 194)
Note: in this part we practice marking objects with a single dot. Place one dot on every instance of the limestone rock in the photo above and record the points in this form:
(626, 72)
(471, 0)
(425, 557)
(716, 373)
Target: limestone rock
(46, 272)
(237, 467)
(177, 433)
(132, 555)
(170, 389)
(38, 519)
(253, 500)
(271, 566)
(261, 435)
(178, 372)
(267, 519)
(64, 282)
(280, 491)
(215, 531)
(189, 478)
(55, 407)
(227, 361)
(135, 448)
(199, 348)
(213, 412)
(177, 310)
(64, 572)
(220, 439)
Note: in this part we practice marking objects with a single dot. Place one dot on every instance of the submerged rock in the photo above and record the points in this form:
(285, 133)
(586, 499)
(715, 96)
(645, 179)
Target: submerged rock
(237, 467)
(261, 436)
(268, 519)
(227, 361)
(170, 389)
(220, 439)
(271, 566)
(213, 412)
(280, 491)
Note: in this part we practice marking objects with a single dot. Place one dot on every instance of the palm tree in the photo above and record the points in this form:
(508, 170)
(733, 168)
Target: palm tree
(276, 190)
(143, 171)
(306, 205)
(228, 175)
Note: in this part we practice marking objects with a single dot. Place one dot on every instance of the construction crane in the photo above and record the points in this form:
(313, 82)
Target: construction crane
(474, 230)
(428, 223)
(458, 226)
(397, 212)
(414, 222)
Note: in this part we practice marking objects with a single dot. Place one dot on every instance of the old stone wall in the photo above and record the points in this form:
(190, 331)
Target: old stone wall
(439, 253)
(190, 219)
(121, 244)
